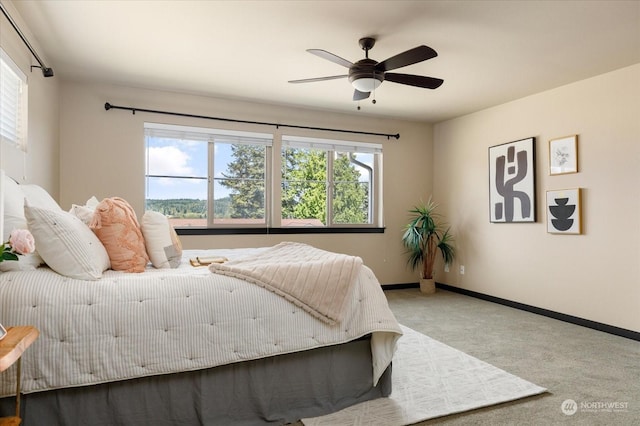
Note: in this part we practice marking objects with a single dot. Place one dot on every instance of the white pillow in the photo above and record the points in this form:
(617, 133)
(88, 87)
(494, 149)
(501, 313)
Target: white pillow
(85, 213)
(161, 240)
(13, 208)
(37, 196)
(14, 196)
(66, 244)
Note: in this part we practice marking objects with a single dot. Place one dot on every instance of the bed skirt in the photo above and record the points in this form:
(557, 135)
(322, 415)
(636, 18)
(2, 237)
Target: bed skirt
(275, 390)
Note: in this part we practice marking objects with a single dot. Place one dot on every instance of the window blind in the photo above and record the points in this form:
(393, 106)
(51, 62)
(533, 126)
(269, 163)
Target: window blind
(330, 144)
(169, 131)
(13, 103)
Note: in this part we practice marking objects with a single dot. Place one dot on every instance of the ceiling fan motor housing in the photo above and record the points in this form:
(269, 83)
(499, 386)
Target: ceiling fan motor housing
(365, 68)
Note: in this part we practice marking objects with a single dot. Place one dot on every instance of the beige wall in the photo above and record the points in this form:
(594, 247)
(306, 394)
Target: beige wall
(102, 154)
(595, 275)
(40, 163)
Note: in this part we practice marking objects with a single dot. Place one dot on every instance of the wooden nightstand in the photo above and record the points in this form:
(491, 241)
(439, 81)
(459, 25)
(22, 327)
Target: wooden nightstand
(17, 340)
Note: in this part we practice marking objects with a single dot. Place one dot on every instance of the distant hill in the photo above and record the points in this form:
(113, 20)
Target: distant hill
(188, 208)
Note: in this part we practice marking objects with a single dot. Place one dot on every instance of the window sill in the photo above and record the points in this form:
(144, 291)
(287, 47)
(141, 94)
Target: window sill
(292, 230)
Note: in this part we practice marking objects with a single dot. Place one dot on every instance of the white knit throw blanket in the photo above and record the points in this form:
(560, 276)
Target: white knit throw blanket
(316, 280)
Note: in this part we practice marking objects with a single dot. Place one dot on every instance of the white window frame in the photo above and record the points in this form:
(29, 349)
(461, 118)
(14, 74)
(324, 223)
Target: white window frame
(274, 143)
(212, 136)
(335, 145)
(14, 99)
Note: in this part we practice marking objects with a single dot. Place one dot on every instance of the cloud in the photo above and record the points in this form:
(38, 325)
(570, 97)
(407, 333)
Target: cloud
(169, 160)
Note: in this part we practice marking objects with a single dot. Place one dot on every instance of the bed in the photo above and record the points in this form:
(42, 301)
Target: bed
(194, 346)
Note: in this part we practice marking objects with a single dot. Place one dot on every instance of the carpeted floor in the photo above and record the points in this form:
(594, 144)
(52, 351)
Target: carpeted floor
(599, 371)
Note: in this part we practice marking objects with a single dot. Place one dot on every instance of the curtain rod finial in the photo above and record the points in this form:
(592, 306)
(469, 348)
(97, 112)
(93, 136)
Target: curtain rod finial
(107, 106)
(47, 72)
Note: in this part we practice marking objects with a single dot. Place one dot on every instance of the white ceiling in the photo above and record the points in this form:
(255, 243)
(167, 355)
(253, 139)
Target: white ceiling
(489, 52)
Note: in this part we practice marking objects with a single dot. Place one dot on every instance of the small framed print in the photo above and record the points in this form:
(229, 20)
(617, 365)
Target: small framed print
(563, 155)
(564, 213)
(3, 332)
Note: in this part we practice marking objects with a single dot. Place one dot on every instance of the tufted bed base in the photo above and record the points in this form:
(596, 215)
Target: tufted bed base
(275, 390)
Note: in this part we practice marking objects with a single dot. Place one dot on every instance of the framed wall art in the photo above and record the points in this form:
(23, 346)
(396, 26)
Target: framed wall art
(512, 192)
(563, 155)
(564, 213)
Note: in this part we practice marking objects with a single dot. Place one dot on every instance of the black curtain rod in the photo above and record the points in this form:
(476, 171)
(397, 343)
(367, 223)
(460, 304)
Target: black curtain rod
(46, 71)
(108, 106)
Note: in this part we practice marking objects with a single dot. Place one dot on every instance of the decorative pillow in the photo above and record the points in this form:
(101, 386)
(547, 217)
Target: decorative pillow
(85, 213)
(66, 244)
(13, 208)
(14, 196)
(161, 240)
(37, 196)
(14, 218)
(116, 225)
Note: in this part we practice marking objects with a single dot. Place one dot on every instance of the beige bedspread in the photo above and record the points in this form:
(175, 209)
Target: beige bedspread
(316, 280)
(164, 321)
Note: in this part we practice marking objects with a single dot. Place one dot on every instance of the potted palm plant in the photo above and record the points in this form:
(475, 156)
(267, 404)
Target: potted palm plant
(423, 236)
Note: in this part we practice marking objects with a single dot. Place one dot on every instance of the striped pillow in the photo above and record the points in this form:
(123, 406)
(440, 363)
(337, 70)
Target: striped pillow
(66, 244)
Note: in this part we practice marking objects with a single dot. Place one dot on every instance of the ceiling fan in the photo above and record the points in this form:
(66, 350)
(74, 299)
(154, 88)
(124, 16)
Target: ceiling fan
(366, 74)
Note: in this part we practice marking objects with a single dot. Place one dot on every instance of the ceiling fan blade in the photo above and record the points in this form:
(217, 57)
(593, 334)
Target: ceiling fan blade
(414, 80)
(310, 80)
(330, 57)
(358, 95)
(411, 56)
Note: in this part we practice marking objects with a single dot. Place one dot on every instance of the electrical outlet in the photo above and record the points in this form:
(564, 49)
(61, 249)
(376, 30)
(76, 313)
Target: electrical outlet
(446, 267)
(461, 269)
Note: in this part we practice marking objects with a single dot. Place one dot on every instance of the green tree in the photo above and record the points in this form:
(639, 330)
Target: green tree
(350, 198)
(304, 178)
(179, 208)
(304, 191)
(222, 207)
(245, 179)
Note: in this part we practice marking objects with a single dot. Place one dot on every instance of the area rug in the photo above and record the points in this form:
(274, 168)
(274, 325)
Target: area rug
(431, 379)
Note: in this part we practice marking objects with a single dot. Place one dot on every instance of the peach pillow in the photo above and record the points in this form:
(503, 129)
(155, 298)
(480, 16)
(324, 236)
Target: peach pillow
(116, 225)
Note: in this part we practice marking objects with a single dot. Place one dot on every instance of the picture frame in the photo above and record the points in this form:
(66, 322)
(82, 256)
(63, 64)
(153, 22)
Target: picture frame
(564, 211)
(563, 155)
(512, 182)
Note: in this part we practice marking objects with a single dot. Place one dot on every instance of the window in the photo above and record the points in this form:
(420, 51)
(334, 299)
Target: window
(13, 103)
(329, 183)
(211, 178)
(206, 178)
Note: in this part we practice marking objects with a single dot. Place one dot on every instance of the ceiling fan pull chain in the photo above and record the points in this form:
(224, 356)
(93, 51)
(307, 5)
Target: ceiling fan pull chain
(373, 101)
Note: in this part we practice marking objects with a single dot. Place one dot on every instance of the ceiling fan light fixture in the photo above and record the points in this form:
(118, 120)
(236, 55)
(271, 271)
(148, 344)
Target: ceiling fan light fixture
(366, 84)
